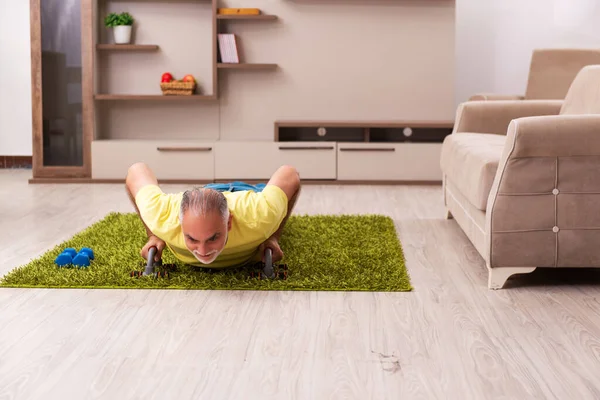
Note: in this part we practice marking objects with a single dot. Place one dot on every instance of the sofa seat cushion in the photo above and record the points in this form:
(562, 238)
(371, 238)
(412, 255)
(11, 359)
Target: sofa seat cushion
(470, 161)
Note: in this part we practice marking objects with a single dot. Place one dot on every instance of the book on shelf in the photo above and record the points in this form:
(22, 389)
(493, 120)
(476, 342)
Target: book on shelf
(228, 48)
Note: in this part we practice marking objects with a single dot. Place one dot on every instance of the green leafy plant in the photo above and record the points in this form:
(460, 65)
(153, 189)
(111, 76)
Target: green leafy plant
(114, 19)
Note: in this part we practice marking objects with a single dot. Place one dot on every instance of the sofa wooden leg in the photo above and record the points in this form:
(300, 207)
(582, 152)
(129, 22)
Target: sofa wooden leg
(449, 214)
(498, 276)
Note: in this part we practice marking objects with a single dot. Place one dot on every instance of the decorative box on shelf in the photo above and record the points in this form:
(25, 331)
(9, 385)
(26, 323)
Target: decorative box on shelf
(238, 11)
(175, 88)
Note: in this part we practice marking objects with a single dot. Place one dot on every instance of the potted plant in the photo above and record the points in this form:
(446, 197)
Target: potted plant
(121, 24)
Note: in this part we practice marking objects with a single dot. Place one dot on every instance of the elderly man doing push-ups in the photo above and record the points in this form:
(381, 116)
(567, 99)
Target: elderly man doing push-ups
(204, 226)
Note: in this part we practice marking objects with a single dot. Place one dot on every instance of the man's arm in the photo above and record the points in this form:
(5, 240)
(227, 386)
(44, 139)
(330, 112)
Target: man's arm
(287, 179)
(138, 176)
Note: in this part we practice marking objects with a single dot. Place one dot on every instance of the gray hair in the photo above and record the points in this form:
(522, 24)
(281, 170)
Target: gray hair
(203, 201)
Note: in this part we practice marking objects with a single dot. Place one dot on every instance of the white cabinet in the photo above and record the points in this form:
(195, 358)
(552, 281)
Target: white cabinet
(254, 160)
(258, 160)
(389, 162)
(176, 159)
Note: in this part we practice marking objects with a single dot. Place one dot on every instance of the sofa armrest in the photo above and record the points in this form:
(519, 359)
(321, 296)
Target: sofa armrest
(544, 202)
(555, 136)
(494, 116)
(494, 96)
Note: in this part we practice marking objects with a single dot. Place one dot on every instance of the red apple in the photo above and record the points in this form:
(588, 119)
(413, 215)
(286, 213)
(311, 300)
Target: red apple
(189, 78)
(166, 77)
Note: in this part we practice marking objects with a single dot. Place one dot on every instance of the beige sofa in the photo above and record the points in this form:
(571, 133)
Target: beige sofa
(522, 180)
(551, 72)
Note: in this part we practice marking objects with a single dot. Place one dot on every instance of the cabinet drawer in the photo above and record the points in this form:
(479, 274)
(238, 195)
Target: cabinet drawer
(258, 160)
(167, 159)
(389, 162)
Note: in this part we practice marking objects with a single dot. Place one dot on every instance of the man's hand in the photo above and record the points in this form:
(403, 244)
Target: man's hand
(153, 241)
(273, 245)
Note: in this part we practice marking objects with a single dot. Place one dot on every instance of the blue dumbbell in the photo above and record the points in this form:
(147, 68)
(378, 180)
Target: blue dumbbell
(70, 251)
(89, 252)
(63, 259)
(81, 260)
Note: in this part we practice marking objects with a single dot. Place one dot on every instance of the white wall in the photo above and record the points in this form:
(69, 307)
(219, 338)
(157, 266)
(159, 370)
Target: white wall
(15, 79)
(494, 39)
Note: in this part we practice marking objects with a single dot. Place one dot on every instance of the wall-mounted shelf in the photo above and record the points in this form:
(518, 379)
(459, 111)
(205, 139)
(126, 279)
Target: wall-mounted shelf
(260, 17)
(127, 47)
(246, 66)
(153, 97)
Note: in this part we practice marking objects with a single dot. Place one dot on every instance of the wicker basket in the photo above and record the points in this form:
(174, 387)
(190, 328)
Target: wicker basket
(177, 88)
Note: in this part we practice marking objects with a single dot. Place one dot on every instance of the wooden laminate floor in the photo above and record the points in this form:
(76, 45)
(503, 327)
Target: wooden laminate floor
(451, 338)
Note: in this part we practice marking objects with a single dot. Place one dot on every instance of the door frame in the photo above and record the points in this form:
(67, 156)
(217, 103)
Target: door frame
(87, 86)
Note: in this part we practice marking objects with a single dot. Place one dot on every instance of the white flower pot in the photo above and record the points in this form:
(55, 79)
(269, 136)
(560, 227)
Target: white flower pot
(122, 34)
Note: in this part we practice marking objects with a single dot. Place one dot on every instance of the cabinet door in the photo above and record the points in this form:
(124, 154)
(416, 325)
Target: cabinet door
(174, 160)
(259, 160)
(62, 103)
(389, 162)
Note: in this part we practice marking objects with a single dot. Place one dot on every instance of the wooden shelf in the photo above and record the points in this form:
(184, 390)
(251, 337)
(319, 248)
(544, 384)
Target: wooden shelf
(260, 17)
(246, 66)
(127, 47)
(152, 97)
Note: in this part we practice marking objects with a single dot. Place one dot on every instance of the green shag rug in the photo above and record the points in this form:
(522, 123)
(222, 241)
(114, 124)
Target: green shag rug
(324, 252)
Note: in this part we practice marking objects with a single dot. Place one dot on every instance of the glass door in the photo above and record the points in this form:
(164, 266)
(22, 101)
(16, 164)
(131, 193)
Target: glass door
(58, 50)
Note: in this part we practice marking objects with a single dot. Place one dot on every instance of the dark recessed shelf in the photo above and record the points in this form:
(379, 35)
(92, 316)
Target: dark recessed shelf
(409, 134)
(127, 47)
(374, 132)
(311, 134)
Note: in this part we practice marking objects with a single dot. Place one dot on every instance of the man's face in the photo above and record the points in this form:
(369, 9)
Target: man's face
(205, 236)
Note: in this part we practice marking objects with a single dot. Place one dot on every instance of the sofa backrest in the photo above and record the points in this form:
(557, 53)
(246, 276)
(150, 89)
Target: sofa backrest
(552, 71)
(583, 96)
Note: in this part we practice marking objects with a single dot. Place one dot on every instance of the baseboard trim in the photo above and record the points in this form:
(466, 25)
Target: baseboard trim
(251, 181)
(15, 162)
